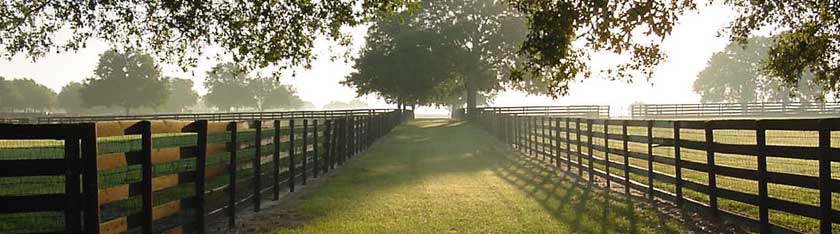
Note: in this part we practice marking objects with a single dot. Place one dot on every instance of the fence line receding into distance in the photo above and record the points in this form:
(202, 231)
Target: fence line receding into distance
(143, 176)
(775, 174)
(724, 110)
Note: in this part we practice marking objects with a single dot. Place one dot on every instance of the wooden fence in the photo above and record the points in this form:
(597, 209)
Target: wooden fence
(718, 110)
(172, 176)
(587, 111)
(773, 174)
(227, 116)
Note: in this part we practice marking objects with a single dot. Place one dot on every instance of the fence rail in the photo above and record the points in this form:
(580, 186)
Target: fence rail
(589, 111)
(153, 176)
(712, 110)
(775, 174)
(232, 116)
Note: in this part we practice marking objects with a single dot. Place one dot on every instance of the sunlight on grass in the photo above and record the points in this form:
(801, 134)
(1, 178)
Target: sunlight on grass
(455, 180)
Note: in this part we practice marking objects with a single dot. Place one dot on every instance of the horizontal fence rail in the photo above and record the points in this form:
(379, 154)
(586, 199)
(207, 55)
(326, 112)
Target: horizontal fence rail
(167, 176)
(232, 116)
(774, 174)
(588, 111)
(718, 110)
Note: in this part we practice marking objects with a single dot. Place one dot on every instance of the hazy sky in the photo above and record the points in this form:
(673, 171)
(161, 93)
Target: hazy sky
(689, 47)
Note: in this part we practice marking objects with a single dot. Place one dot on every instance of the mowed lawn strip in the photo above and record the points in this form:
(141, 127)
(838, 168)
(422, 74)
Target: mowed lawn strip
(442, 176)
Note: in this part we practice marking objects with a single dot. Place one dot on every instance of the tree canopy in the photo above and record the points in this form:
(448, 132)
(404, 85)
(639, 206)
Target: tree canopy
(182, 95)
(561, 39)
(70, 98)
(229, 87)
(738, 74)
(443, 53)
(255, 33)
(25, 94)
(129, 80)
(270, 94)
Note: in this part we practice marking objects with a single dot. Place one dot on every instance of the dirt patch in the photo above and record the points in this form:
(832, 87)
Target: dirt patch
(273, 214)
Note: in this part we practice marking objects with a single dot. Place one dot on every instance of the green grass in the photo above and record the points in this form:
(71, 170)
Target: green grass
(438, 176)
(743, 137)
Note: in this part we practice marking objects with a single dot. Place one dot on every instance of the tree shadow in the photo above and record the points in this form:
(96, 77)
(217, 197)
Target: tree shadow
(585, 207)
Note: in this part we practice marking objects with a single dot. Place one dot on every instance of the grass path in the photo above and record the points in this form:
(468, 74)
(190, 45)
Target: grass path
(437, 176)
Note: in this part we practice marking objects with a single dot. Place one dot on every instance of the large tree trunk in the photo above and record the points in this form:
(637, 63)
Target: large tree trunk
(472, 94)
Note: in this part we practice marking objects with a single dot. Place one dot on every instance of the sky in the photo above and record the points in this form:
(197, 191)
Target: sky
(692, 43)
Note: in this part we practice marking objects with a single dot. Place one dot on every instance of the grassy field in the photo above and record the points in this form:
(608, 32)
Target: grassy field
(439, 176)
(744, 137)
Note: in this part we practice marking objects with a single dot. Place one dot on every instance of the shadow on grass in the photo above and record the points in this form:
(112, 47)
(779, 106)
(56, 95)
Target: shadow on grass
(422, 150)
(583, 206)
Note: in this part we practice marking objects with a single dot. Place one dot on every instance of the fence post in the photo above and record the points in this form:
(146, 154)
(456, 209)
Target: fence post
(200, 168)
(607, 152)
(233, 148)
(72, 209)
(543, 137)
(342, 138)
(568, 146)
(761, 154)
(276, 159)
(677, 165)
(531, 135)
(557, 143)
(145, 130)
(710, 159)
(329, 145)
(292, 174)
(316, 167)
(579, 146)
(257, 164)
(650, 159)
(626, 157)
(824, 155)
(305, 152)
(589, 150)
(90, 180)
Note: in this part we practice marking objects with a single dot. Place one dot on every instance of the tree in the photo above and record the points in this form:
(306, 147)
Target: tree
(70, 98)
(227, 87)
(25, 94)
(565, 34)
(10, 98)
(400, 63)
(128, 80)
(269, 93)
(444, 51)
(736, 75)
(809, 42)
(182, 95)
(254, 33)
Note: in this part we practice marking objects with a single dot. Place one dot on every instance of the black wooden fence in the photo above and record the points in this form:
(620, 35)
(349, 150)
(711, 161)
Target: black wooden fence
(773, 174)
(226, 116)
(172, 176)
(583, 111)
(718, 110)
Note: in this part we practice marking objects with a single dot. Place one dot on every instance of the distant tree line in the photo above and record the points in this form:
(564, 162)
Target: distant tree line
(739, 74)
(131, 80)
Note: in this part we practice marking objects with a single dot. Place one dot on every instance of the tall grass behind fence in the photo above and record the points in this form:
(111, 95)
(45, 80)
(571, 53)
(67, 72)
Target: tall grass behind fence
(778, 175)
(147, 173)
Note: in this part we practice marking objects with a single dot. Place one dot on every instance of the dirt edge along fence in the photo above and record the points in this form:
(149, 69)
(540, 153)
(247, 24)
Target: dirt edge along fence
(735, 110)
(763, 180)
(172, 176)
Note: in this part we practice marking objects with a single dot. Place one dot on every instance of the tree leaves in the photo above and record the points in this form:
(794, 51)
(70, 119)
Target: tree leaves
(129, 80)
